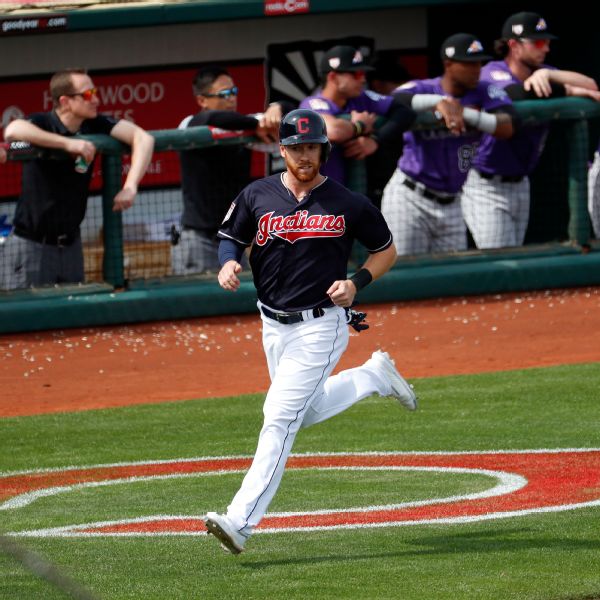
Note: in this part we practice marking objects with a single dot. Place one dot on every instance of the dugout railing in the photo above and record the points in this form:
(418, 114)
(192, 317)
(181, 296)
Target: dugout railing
(129, 278)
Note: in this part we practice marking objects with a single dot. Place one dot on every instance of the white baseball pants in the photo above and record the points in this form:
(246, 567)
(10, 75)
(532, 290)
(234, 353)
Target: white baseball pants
(496, 212)
(300, 358)
(421, 225)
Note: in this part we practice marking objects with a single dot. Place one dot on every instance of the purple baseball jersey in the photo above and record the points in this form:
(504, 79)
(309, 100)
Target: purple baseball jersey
(436, 157)
(518, 155)
(300, 248)
(367, 101)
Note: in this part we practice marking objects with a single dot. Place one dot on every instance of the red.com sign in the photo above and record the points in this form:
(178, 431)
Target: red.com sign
(286, 7)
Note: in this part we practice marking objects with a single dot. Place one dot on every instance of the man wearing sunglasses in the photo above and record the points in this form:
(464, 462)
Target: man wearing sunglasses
(495, 198)
(45, 247)
(212, 177)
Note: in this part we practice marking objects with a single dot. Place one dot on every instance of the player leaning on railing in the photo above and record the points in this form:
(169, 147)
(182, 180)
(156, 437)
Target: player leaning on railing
(496, 193)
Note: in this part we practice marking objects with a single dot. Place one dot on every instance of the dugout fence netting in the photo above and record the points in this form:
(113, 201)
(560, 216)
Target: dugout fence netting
(136, 247)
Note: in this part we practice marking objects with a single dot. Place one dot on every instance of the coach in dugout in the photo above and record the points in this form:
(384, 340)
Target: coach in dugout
(45, 245)
(211, 178)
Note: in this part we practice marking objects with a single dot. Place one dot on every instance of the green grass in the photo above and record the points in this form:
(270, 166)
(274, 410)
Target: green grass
(553, 556)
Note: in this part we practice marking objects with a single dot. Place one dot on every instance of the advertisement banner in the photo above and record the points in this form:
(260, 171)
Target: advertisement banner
(154, 99)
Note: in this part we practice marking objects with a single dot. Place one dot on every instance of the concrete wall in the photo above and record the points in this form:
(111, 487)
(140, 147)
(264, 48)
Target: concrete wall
(202, 42)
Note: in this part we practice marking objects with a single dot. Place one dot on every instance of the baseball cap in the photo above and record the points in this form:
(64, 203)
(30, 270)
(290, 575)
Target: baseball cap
(463, 47)
(344, 59)
(527, 25)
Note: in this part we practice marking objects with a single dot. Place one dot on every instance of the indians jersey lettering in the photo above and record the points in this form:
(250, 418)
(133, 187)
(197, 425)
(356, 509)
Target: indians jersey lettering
(300, 247)
(299, 226)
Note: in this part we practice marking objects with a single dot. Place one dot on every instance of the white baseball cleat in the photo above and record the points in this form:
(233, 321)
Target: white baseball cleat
(220, 526)
(401, 389)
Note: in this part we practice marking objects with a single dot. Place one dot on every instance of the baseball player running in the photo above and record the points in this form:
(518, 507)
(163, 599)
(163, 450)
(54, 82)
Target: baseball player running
(301, 226)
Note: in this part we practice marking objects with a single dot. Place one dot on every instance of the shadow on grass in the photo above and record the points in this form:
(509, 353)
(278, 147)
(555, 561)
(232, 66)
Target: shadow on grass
(507, 540)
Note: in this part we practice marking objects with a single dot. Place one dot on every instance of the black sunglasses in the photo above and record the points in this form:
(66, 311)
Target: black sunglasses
(233, 91)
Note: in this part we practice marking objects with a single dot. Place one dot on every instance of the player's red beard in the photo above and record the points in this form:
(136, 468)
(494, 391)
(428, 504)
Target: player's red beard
(304, 170)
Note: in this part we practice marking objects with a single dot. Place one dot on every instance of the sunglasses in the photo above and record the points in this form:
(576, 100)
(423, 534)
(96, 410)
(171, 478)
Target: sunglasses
(233, 91)
(87, 95)
(539, 44)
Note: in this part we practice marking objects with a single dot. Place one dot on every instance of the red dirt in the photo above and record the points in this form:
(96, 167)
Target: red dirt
(100, 367)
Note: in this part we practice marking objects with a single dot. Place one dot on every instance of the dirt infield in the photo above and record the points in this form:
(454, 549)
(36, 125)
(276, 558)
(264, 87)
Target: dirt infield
(100, 367)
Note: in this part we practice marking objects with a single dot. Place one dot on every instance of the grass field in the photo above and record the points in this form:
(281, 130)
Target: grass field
(550, 556)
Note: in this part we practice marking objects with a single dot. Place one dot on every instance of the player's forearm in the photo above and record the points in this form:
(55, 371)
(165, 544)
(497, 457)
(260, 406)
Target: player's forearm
(21, 130)
(573, 78)
(339, 130)
(499, 124)
(141, 155)
(380, 263)
(504, 126)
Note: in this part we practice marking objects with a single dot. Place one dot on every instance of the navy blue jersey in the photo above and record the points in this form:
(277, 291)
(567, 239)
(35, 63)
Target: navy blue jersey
(300, 248)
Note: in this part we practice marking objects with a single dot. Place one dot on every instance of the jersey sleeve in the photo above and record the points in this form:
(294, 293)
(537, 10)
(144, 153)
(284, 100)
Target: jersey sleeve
(101, 124)
(517, 91)
(230, 120)
(317, 104)
(493, 97)
(416, 86)
(378, 103)
(372, 230)
(40, 120)
(238, 224)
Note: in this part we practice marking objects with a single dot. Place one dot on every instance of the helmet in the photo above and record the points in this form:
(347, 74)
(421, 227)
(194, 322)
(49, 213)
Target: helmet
(304, 126)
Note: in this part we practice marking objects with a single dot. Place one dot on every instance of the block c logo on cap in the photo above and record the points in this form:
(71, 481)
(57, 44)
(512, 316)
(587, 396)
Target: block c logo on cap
(302, 125)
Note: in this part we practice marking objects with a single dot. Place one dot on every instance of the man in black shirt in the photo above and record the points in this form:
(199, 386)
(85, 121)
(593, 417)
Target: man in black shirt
(212, 177)
(45, 247)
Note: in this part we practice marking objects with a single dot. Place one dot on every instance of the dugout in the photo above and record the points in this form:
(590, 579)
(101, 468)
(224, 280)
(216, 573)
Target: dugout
(144, 55)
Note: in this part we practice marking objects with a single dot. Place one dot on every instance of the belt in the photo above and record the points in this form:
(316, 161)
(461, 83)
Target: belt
(427, 193)
(502, 178)
(60, 241)
(293, 317)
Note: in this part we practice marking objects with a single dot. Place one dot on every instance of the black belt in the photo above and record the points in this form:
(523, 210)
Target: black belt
(502, 178)
(290, 318)
(427, 193)
(60, 241)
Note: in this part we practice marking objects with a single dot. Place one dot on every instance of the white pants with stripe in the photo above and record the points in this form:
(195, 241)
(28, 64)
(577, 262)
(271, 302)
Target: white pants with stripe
(594, 194)
(496, 212)
(418, 224)
(301, 358)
